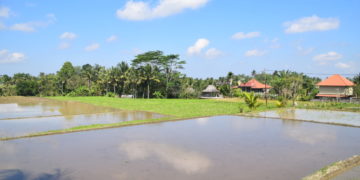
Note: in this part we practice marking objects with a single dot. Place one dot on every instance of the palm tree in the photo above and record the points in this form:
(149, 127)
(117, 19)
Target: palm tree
(122, 68)
(88, 72)
(132, 80)
(251, 100)
(149, 74)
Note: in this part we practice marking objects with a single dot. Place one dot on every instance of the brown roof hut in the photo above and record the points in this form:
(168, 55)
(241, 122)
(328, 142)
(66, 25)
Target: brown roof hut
(211, 93)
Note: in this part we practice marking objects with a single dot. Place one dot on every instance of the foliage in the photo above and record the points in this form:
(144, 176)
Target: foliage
(26, 88)
(238, 93)
(281, 102)
(80, 91)
(151, 72)
(110, 94)
(158, 95)
(251, 100)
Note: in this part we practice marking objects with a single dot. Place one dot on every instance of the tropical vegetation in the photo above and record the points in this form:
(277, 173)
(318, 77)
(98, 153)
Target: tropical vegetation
(154, 74)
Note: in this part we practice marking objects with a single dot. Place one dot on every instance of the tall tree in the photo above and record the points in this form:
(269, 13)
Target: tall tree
(123, 68)
(149, 74)
(65, 73)
(88, 72)
(170, 64)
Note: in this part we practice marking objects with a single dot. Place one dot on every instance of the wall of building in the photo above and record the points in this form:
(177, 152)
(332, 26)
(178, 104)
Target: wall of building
(336, 90)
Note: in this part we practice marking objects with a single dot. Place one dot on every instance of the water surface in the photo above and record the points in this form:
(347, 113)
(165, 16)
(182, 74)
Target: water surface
(223, 147)
(323, 116)
(25, 115)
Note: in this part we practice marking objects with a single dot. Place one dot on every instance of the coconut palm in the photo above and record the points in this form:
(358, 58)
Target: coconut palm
(149, 74)
(251, 100)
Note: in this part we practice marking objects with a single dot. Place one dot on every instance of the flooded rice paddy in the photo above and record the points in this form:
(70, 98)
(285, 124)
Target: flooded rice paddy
(222, 147)
(322, 116)
(25, 115)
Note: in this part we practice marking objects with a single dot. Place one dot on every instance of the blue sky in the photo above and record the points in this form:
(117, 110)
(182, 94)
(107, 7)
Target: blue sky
(213, 36)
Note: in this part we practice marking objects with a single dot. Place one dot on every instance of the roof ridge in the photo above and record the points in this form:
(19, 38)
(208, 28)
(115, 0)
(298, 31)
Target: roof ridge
(342, 79)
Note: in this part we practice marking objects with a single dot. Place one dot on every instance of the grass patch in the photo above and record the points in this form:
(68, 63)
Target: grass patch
(178, 108)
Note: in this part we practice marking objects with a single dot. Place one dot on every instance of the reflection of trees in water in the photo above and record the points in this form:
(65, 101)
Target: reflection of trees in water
(69, 108)
(288, 114)
(17, 174)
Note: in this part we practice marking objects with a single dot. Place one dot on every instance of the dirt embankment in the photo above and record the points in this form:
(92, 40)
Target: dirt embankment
(334, 169)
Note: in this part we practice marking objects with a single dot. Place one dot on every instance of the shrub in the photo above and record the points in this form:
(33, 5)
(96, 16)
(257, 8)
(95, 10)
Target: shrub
(251, 100)
(110, 94)
(281, 102)
(238, 93)
(158, 95)
(80, 91)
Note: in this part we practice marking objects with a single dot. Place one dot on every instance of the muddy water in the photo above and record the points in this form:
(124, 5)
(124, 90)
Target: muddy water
(223, 147)
(323, 116)
(25, 115)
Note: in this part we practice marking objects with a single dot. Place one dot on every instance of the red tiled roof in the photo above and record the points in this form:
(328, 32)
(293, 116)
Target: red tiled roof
(330, 95)
(335, 80)
(254, 84)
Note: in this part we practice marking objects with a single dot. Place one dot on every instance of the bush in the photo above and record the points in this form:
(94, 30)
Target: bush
(80, 91)
(281, 102)
(251, 100)
(110, 94)
(158, 95)
(27, 88)
(238, 93)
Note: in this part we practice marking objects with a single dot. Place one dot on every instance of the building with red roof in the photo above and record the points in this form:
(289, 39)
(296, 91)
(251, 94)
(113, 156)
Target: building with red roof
(255, 86)
(335, 86)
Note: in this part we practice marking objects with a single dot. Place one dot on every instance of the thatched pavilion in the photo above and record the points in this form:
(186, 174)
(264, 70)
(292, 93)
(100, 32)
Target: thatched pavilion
(211, 92)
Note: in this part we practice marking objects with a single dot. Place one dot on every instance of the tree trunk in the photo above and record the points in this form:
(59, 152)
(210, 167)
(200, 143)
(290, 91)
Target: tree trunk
(148, 90)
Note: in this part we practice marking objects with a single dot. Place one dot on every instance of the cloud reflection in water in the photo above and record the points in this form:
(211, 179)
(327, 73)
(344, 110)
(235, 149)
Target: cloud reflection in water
(182, 160)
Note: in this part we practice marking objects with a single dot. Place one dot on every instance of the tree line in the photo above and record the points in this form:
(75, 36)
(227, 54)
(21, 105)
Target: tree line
(151, 74)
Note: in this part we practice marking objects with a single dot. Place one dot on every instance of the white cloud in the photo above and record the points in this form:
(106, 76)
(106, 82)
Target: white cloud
(64, 45)
(212, 53)
(182, 160)
(4, 12)
(198, 46)
(8, 57)
(304, 51)
(111, 38)
(27, 27)
(68, 35)
(342, 65)
(142, 11)
(255, 52)
(312, 23)
(324, 58)
(32, 25)
(2, 26)
(92, 47)
(242, 35)
(275, 43)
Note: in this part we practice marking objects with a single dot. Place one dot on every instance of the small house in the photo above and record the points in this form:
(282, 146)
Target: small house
(254, 86)
(335, 86)
(211, 92)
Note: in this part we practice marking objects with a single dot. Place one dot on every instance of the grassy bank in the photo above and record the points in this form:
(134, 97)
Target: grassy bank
(177, 108)
(334, 169)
